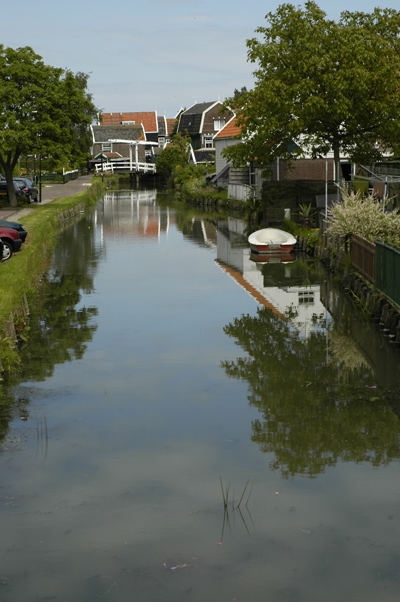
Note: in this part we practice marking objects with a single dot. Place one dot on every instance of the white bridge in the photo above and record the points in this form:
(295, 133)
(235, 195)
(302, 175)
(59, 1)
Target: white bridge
(131, 165)
(126, 166)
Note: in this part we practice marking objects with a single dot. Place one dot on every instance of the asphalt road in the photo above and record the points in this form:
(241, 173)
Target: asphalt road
(49, 193)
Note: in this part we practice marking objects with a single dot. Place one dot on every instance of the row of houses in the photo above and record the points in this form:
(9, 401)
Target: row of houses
(115, 133)
(211, 129)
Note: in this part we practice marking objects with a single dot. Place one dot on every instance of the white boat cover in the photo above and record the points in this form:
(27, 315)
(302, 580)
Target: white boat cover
(271, 236)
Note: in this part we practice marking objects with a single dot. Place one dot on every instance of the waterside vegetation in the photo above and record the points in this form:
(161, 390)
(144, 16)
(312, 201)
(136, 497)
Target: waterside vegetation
(364, 216)
(20, 277)
(189, 180)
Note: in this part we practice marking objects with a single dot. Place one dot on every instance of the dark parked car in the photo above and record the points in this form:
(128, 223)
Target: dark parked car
(20, 194)
(11, 242)
(28, 187)
(15, 226)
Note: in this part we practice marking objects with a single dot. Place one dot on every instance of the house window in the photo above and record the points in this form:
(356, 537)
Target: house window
(208, 142)
(106, 146)
(161, 140)
(306, 297)
(219, 123)
(127, 123)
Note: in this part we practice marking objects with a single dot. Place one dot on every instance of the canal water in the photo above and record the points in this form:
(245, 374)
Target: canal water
(190, 424)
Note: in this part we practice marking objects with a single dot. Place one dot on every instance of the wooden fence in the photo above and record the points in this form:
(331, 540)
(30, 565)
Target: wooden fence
(379, 263)
(362, 253)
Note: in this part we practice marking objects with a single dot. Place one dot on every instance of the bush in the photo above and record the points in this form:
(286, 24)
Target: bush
(364, 217)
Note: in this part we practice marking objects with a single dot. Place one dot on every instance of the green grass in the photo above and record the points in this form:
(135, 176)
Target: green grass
(21, 274)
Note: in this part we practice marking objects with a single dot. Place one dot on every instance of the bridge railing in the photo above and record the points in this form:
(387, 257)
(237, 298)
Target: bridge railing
(108, 167)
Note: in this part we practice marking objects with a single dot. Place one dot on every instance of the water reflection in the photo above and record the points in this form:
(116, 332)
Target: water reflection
(289, 289)
(59, 326)
(315, 388)
(134, 212)
(137, 432)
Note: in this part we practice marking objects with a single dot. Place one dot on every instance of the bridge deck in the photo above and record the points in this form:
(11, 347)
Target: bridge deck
(125, 166)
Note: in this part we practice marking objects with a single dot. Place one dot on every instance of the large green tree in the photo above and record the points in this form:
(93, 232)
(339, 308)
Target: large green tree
(44, 111)
(325, 85)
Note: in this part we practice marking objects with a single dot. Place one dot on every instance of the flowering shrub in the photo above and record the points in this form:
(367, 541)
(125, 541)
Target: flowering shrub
(365, 217)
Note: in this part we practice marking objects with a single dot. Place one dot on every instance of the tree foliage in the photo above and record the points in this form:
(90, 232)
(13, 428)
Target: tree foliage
(325, 85)
(175, 154)
(44, 110)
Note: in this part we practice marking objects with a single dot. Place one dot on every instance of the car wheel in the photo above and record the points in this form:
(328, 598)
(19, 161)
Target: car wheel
(7, 250)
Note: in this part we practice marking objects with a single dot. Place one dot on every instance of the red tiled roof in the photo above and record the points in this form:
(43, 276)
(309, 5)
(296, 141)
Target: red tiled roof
(111, 119)
(170, 125)
(113, 155)
(230, 130)
(148, 118)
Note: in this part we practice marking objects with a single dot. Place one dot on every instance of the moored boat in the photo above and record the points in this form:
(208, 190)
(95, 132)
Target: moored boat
(271, 240)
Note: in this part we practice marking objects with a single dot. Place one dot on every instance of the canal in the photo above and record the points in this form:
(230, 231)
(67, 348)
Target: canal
(190, 424)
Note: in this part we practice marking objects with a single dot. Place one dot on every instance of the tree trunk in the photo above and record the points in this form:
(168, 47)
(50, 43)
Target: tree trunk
(7, 164)
(8, 174)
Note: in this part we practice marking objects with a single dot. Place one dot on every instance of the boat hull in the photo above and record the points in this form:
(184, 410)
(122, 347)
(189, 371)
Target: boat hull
(272, 257)
(272, 249)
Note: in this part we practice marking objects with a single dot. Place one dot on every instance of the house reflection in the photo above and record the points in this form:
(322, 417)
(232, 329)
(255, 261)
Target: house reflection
(201, 231)
(134, 213)
(278, 282)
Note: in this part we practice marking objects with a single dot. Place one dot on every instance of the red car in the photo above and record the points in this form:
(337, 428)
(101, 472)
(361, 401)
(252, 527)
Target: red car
(11, 242)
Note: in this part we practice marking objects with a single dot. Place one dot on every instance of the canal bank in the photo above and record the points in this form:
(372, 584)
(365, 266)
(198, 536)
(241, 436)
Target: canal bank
(21, 275)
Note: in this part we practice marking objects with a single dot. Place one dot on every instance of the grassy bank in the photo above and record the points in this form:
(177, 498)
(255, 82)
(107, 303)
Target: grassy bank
(20, 276)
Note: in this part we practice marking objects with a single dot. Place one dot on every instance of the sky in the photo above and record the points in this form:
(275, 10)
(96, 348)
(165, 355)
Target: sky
(153, 55)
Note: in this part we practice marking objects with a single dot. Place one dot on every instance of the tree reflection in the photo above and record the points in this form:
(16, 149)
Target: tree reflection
(59, 327)
(314, 410)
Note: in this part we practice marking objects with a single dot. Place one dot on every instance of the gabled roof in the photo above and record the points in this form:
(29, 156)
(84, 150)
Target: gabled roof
(191, 120)
(148, 118)
(103, 133)
(199, 108)
(230, 130)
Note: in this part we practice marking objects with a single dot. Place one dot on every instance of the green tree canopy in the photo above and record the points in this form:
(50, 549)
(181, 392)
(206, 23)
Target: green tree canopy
(44, 110)
(175, 154)
(325, 85)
